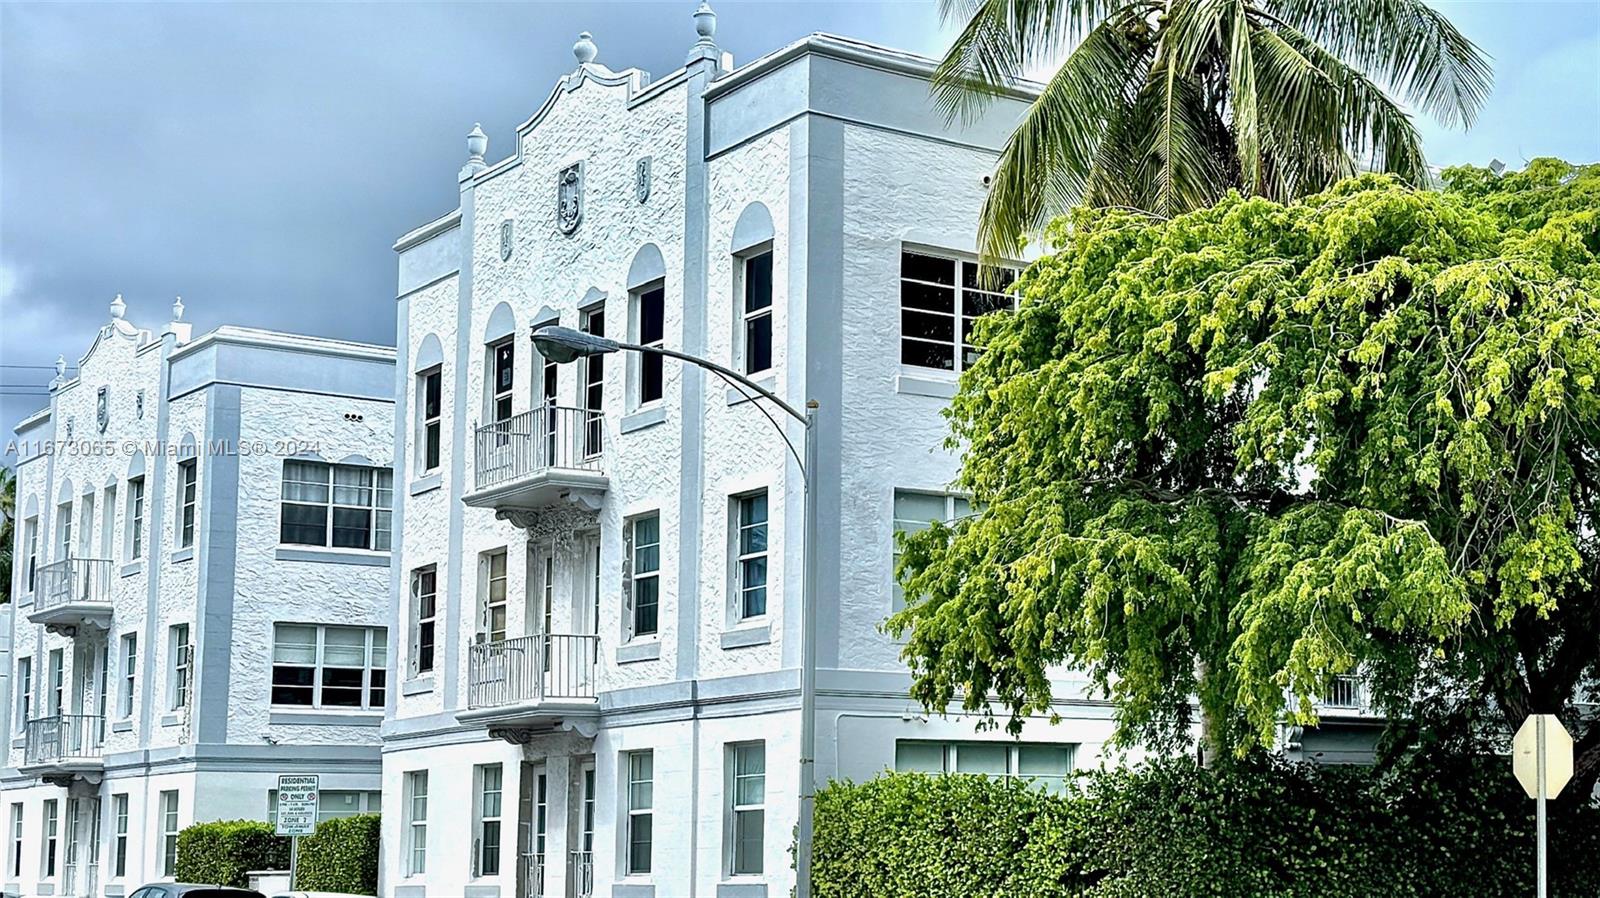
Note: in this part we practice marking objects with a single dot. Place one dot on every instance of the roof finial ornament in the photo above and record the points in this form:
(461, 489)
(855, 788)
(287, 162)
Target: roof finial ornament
(118, 308)
(477, 144)
(705, 25)
(177, 308)
(585, 49)
(61, 373)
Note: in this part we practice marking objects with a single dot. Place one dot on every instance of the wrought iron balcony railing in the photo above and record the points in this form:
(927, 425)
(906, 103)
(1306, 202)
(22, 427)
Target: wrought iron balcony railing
(62, 738)
(72, 581)
(531, 669)
(538, 440)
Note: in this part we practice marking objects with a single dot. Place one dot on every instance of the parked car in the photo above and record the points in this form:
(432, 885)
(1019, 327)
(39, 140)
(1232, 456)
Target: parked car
(318, 895)
(191, 890)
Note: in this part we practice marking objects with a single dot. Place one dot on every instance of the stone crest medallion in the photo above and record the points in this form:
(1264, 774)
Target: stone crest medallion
(505, 240)
(569, 198)
(641, 179)
(102, 407)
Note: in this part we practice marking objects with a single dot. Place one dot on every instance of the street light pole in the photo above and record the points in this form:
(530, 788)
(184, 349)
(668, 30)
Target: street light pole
(562, 345)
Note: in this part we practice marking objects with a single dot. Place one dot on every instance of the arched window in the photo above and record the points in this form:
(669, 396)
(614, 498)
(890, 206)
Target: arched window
(647, 301)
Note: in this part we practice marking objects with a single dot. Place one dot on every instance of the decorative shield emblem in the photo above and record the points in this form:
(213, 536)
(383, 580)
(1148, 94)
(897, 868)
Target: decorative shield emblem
(569, 198)
(641, 179)
(102, 408)
(138, 404)
(505, 240)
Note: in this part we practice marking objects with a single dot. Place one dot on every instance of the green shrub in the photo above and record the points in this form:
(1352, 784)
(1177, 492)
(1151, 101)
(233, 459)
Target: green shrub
(1264, 828)
(222, 852)
(341, 856)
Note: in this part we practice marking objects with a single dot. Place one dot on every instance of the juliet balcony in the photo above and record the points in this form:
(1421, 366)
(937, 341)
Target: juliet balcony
(539, 458)
(62, 747)
(73, 593)
(531, 684)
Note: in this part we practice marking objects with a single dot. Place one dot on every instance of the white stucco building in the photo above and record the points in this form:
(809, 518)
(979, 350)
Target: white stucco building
(201, 585)
(598, 564)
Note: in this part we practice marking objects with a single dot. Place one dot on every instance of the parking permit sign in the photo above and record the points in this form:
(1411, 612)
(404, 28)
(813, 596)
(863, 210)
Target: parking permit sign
(297, 804)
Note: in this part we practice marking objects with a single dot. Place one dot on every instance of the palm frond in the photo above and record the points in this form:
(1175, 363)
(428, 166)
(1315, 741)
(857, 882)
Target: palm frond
(1404, 43)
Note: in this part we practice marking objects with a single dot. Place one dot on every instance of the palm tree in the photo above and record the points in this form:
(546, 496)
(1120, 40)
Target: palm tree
(8, 517)
(1163, 105)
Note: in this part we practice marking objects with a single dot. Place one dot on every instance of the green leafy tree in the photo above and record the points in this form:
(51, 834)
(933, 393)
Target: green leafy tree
(8, 522)
(1164, 105)
(1236, 453)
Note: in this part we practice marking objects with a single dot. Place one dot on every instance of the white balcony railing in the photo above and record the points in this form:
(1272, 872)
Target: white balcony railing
(531, 669)
(72, 581)
(64, 737)
(1346, 691)
(580, 872)
(536, 441)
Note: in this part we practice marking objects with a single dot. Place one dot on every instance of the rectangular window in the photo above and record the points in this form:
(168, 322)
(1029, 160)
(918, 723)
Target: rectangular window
(549, 390)
(180, 660)
(317, 666)
(750, 562)
(135, 518)
(502, 378)
(915, 511)
(1043, 764)
(169, 833)
(593, 321)
(424, 607)
(416, 818)
(487, 837)
(651, 304)
(940, 298)
(342, 506)
(108, 524)
(24, 690)
(129, 655)
(30, 548)
(640, 766)
(64, 530)
(57, 683)
(430, 396)
(188, 476)
(15, 861)
(747, 815)
(119, 845)
(757, 312)
(646, 586)
(493, 586)
(47, 860)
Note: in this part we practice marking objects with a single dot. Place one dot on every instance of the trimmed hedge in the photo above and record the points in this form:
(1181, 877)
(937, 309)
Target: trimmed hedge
(341, 856)
(223, 851)
(1265, 828)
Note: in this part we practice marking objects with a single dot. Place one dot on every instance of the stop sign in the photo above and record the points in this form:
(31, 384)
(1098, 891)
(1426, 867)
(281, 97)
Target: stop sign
(1557, 755)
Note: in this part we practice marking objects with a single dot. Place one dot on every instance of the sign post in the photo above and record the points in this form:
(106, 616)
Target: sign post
(1541, 757)
(297, 812)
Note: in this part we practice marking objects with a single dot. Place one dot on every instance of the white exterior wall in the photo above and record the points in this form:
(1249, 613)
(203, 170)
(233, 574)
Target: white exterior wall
(263, 397)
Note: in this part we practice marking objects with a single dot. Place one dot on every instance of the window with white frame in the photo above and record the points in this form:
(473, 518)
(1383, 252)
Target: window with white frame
(188, 479)
(169, 833)
(14, 862)
(492, 592)
(180, 658)
(649, 321)
(750, 555)
(119, 843)
(541, 826)
(338, 506)
(108, 524)
(430, 414)
(940, 298)
(128, 655)
(30, 550)
(64, 531)
(57, 683)
(1046, 765)
(593, 368)
(334, 803)
(486, 828)
(47, 859)
(747, 815)
(755, 332)
(640, 766)
(324, 666)
(644, 588)
(416, 820)
(549, 392)
(24, 689)
(135, 518)
(424, 609)
(502, 378)
(915, 511)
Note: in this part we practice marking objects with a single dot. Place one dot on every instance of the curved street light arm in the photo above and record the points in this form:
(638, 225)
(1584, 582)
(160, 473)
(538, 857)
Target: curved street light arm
(725, 372)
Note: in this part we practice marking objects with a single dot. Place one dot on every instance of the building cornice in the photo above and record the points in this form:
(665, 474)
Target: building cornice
(264, 339)
(432, 229)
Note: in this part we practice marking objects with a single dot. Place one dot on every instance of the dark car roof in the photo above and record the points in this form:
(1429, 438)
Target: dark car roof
(198, 890)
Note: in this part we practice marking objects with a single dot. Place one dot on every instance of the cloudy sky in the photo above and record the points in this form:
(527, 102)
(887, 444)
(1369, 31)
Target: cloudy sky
(260, 159)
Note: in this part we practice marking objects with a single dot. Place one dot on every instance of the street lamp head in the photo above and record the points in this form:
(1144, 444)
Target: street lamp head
(563, 344)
